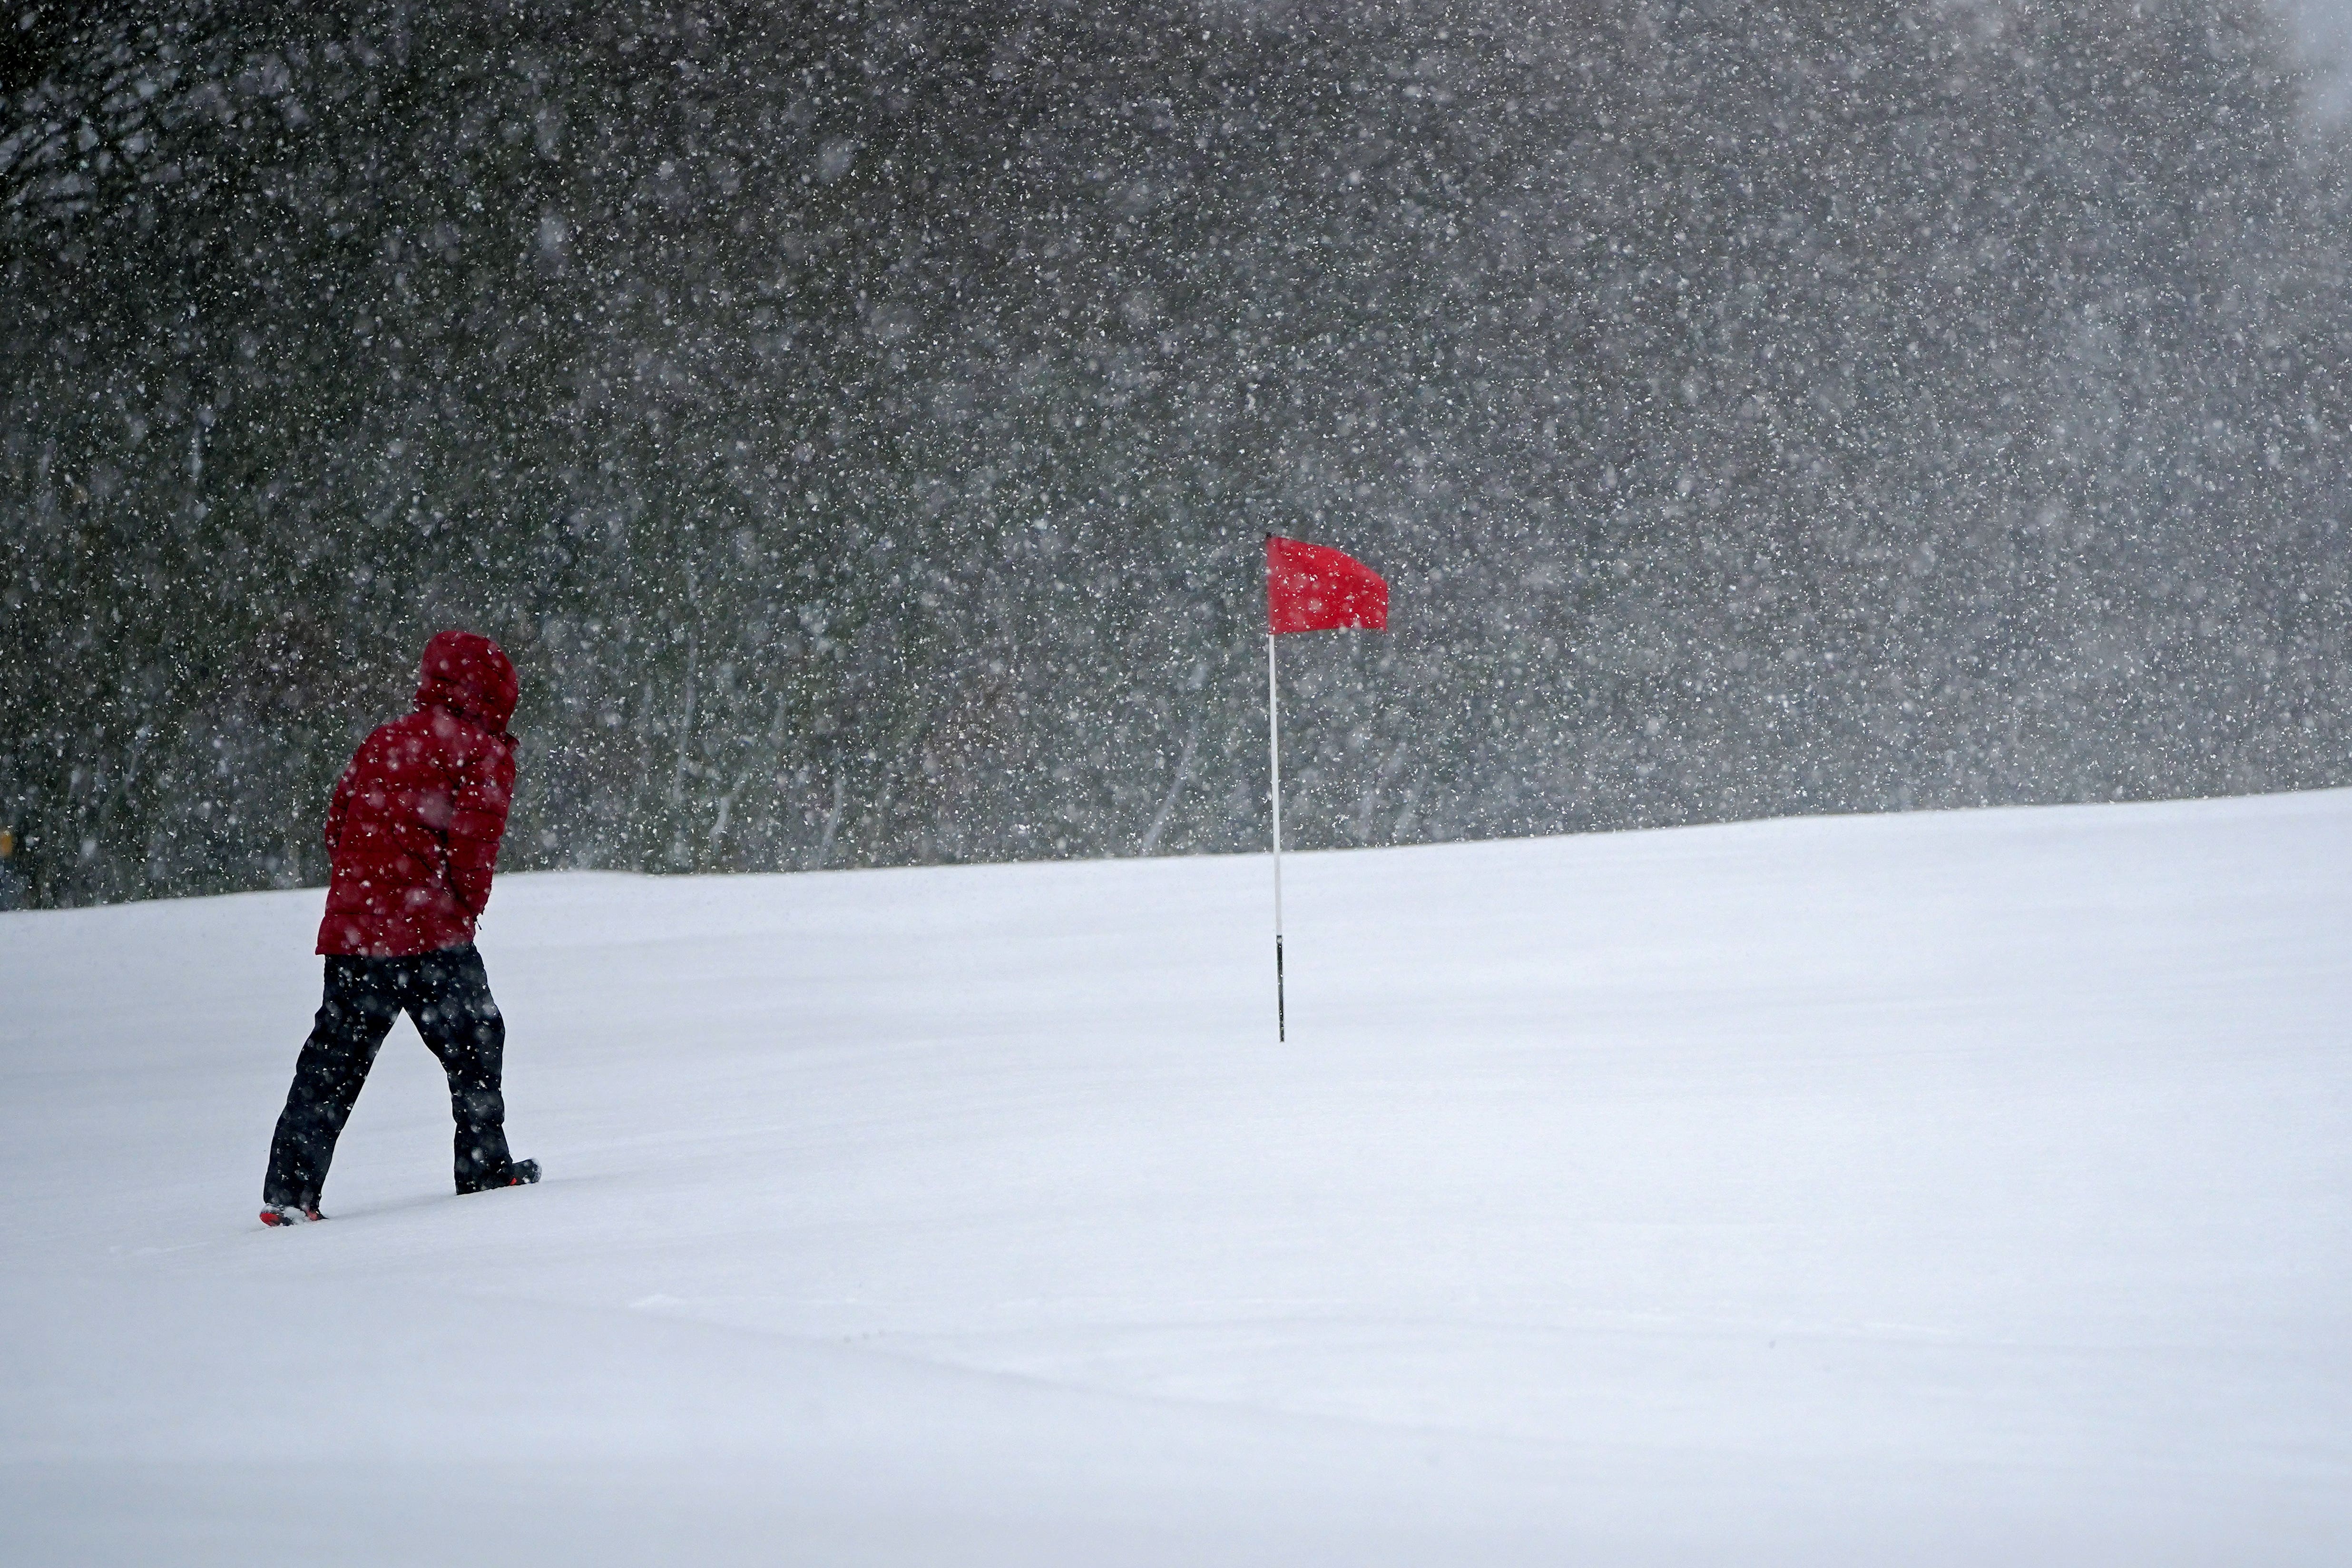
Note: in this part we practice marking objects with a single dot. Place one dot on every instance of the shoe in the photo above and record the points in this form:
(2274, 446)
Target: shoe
(289, 1214)
(521, 1173)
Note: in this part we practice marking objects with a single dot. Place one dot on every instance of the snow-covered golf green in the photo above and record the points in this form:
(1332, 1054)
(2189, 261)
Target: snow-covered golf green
(1942, 1188)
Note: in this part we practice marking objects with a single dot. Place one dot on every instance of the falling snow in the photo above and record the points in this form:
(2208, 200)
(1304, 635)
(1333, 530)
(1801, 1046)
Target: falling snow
(859, 420)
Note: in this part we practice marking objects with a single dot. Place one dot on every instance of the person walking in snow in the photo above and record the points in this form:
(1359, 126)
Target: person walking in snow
(413, 837)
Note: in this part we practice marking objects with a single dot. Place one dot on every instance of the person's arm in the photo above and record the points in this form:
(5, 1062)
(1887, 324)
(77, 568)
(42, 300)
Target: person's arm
(339, 807)
(478, 820)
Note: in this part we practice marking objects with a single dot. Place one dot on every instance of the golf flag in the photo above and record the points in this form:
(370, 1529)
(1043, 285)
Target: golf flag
(1314, 588)
(1308, 588)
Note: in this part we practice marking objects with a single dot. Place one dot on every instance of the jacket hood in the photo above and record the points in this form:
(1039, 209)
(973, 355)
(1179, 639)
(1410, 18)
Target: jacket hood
(471, 677)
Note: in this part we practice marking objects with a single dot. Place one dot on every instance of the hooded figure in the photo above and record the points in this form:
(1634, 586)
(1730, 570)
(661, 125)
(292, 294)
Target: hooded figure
(413, 840)
(413, 831)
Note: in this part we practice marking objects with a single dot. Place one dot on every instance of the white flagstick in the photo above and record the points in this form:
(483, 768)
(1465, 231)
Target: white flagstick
(1273, 753)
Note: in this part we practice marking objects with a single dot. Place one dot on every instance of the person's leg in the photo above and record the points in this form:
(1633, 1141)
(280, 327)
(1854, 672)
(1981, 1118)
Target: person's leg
(450, 1000)
(353, 1017)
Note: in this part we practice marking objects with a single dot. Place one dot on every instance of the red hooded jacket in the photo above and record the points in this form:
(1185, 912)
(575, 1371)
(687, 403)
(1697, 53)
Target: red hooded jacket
(413, 832)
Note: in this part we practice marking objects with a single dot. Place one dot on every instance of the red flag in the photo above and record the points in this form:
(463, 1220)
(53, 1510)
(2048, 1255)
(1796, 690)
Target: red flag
(1311, 588)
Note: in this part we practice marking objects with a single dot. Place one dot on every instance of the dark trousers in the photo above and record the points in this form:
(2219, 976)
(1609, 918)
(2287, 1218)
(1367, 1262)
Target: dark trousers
(448, 995)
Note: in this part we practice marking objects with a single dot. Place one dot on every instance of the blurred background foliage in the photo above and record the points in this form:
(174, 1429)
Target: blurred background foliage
(859, 421)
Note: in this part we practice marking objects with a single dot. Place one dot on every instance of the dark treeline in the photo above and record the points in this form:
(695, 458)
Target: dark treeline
(859, 421)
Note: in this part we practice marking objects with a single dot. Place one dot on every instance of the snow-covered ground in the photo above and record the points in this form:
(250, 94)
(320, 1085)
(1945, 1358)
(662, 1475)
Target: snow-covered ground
(1956, 1189)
